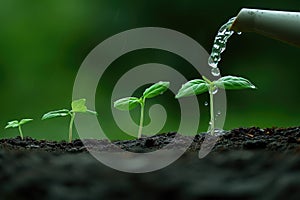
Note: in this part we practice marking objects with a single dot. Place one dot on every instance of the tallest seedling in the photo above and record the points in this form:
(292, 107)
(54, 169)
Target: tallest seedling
(199, 86)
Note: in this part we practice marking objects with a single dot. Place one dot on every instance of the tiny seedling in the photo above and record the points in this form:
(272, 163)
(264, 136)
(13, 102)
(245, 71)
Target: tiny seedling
(16, 123)
(128, 103)
(199, 86)
(78, 106)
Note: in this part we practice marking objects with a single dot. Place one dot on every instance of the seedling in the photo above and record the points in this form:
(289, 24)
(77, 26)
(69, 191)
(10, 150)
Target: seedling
(16, 123)
(128, 103)
(199, 86)
(78, 106)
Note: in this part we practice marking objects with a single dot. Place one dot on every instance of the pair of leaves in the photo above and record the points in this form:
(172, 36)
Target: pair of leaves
(128, 103)
(77, 106)
(16, 123)
(199, 86)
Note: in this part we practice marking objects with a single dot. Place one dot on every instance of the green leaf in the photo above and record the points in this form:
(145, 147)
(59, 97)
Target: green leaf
(126, 103)
(16, 123)
(92, 112)
(56, 113)
(79, 105)
(12, 124)
(193, 87)
(233, 83)
(156, 89)
(24, 121)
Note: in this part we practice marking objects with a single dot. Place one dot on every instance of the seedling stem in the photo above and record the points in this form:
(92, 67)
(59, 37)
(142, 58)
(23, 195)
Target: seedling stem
(141, 118)
(71, 126)
(20, 131)
(212, 116)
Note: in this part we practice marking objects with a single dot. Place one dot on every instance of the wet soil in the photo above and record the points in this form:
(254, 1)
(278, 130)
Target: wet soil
(245, 163)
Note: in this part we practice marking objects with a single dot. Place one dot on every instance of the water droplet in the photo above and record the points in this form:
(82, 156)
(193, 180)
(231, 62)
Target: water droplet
(216, 46)
(206, 103)
(213, 65)
(215, 71)
(211, 62)
(215, 90)
(219, 132)
(218, 114)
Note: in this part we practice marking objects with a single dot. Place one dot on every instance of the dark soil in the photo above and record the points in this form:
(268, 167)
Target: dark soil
(245, 163)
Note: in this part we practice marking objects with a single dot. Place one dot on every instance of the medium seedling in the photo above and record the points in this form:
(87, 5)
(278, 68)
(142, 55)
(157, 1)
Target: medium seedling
(128, 103)
(18, 124)
(199, 86)
(78, 106)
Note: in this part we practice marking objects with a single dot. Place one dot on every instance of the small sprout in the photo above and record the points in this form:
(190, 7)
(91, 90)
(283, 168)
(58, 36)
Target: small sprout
(199, 86)
(129, 103)
(78, 106)
(16, 123)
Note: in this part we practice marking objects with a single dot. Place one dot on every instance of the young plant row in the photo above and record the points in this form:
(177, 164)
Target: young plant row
(77, 106)
(193, 87)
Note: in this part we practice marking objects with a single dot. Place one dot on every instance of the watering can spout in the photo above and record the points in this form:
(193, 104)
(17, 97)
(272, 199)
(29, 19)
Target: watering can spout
(280, 25)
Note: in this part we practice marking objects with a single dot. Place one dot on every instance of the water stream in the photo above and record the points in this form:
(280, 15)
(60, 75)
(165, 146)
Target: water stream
(219, 46)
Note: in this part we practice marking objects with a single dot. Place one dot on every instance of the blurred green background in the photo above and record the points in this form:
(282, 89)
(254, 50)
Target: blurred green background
(43, 43)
